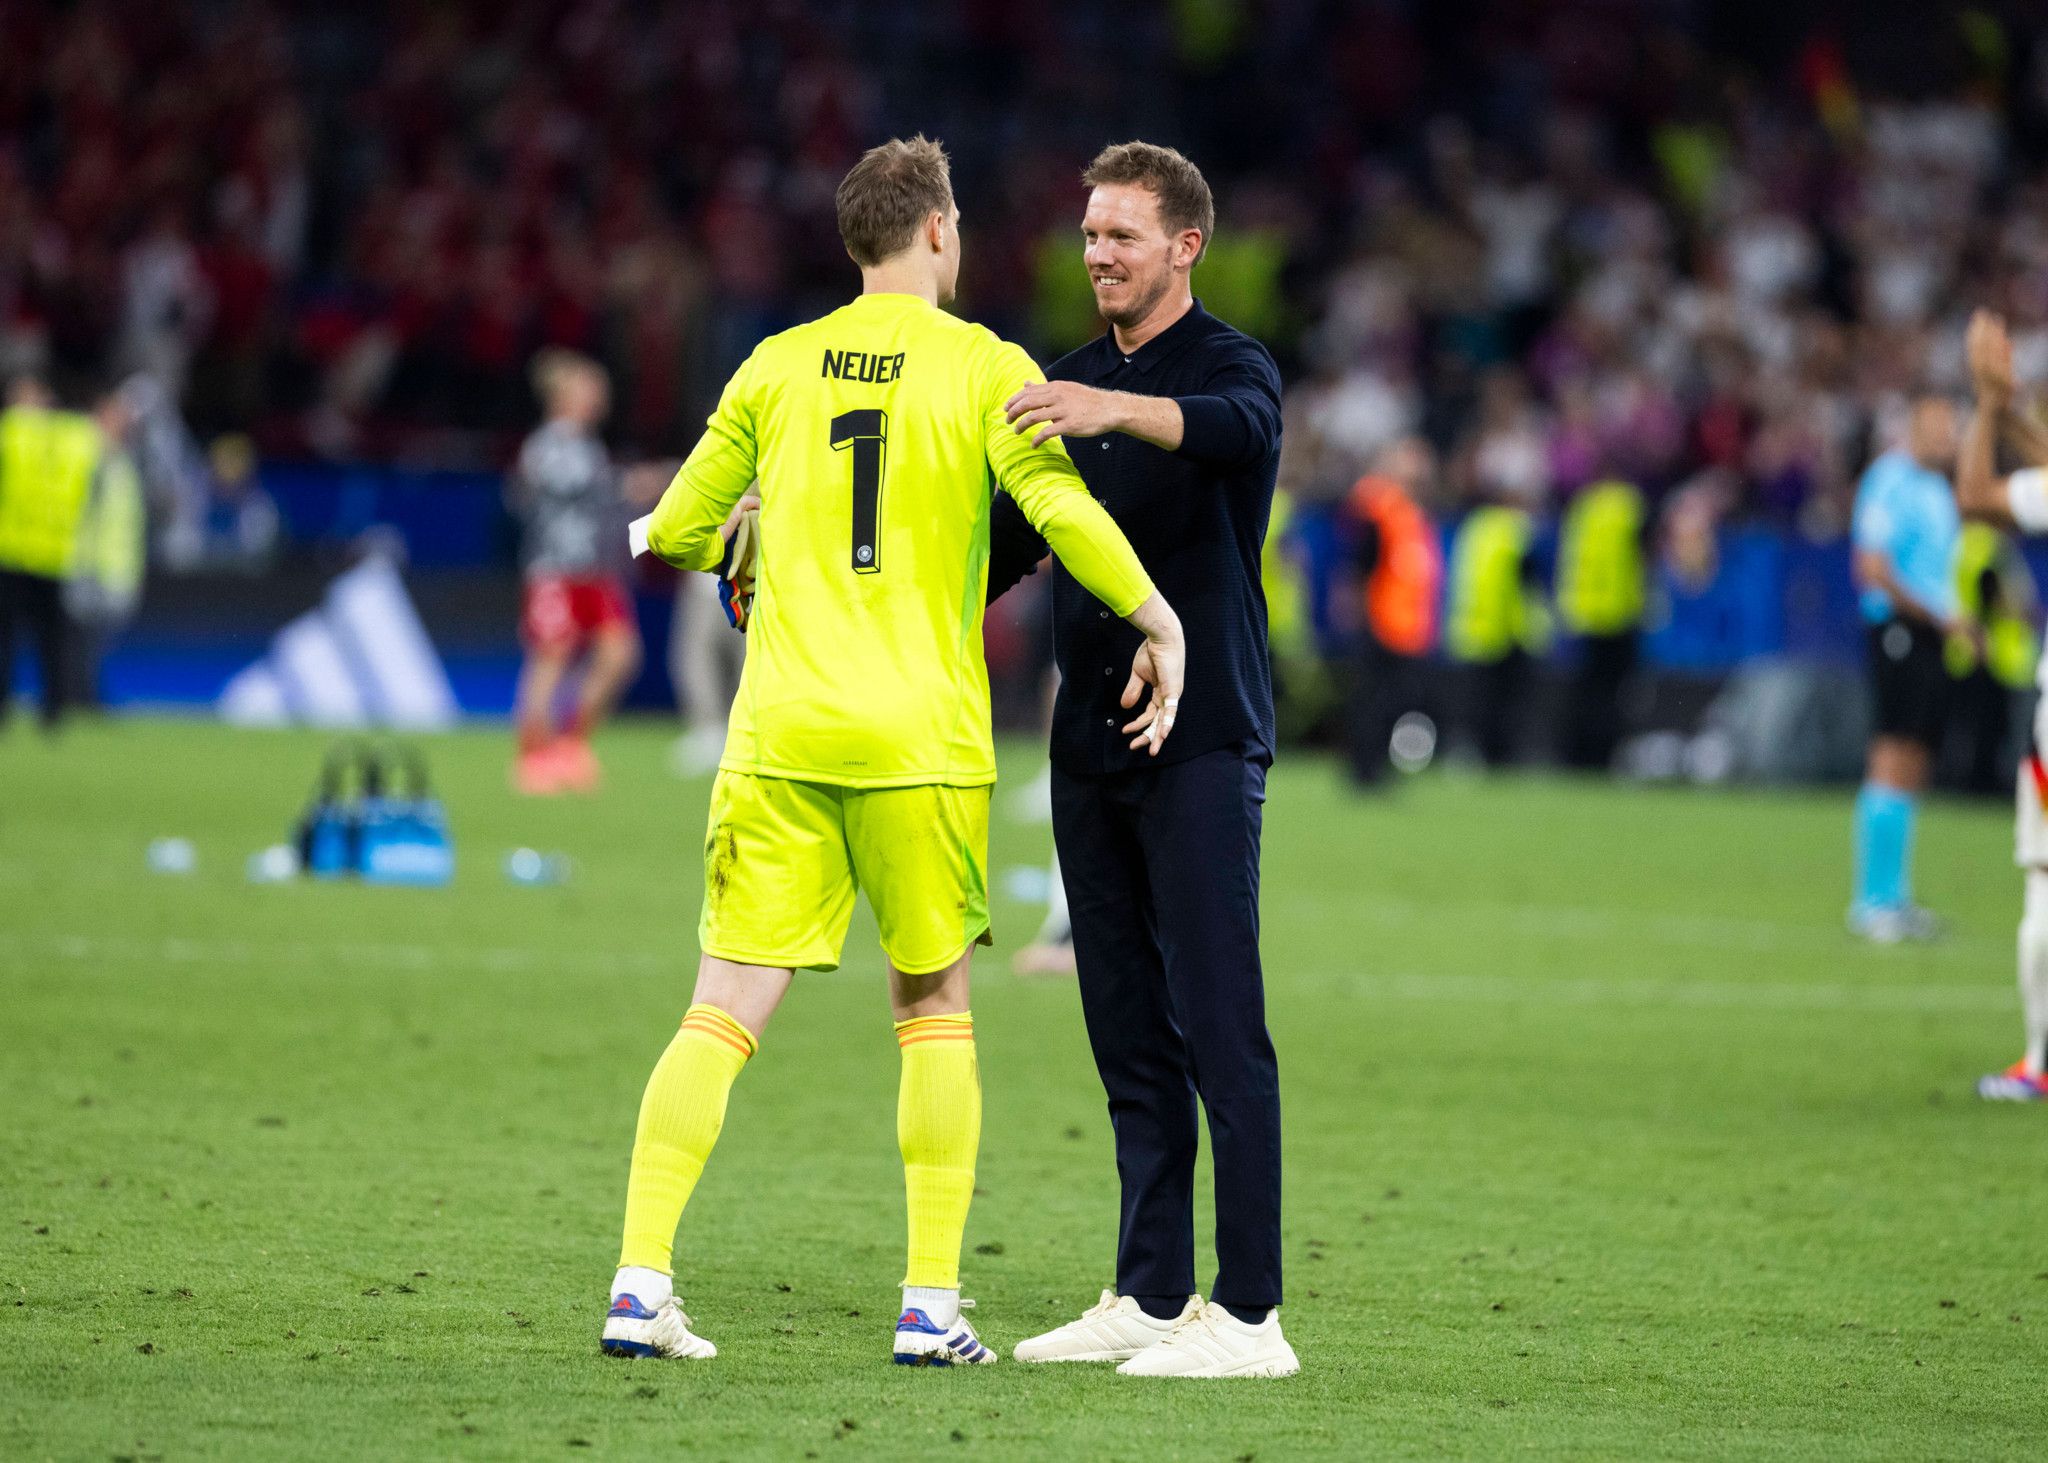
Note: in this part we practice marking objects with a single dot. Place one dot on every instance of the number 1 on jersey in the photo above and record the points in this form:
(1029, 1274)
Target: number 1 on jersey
(867, 433)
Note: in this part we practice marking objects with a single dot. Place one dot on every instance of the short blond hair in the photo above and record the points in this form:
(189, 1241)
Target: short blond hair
(1185, 201)
(554, 366)
(889, 193)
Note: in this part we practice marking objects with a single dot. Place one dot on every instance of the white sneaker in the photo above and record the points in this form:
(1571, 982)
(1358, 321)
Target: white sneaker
(1214, 1343)
(1115, 1328)
(921, 1343)
(1895, 924)
(630, 1329)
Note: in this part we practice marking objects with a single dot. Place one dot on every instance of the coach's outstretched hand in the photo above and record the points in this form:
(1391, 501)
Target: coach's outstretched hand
(1162, 664)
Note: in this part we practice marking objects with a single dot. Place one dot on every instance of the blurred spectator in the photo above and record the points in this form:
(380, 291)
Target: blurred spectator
(1995, 591)
(1510, 456)
(1399, 563)
(1689, 547)
(165, 303)
(1495, 622)
(238, 531)
(107, 566)
(576, 618)
(704, 665)
(48, 459)
(1301, 689)
(1602, 237)
(1602, 592)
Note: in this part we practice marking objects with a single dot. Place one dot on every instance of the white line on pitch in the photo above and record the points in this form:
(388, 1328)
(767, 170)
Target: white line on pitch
(1400, 986)
(177, 950)
(1720, 994)
(1596, 923)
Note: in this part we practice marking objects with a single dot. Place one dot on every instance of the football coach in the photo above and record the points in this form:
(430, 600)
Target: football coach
(1173, 418)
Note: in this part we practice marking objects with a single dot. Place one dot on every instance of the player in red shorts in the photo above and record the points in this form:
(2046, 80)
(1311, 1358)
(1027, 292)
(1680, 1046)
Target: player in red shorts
(569, 497)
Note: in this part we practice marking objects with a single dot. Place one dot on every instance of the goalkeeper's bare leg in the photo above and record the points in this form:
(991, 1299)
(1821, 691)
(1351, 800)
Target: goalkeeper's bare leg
(680, 1116)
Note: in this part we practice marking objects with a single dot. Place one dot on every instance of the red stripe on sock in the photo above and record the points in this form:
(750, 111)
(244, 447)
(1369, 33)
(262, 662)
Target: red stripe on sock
(706, 1026)
(935, 1028)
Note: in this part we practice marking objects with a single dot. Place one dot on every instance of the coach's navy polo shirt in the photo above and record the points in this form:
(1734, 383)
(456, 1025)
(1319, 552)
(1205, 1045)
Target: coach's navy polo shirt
(1197, 517)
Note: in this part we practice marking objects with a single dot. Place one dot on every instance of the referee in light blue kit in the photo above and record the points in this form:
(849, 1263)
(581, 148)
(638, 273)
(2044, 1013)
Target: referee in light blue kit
(1173, 419)
(1906, 531)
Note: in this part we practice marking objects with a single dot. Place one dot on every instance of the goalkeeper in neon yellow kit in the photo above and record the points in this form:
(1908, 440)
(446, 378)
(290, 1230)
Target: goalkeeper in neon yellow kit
(859, 753)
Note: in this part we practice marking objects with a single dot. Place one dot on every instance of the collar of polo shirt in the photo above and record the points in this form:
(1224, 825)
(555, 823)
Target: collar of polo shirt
(1162, 346)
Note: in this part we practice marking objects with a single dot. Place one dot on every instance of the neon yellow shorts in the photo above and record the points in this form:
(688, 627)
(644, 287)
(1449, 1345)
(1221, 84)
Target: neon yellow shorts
(783, 858)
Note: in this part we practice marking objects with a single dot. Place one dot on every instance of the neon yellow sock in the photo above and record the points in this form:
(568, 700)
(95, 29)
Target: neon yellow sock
(679, 1121)
(938, 1127)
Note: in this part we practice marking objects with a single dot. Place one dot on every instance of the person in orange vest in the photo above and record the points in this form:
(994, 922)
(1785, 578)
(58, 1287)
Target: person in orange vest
(1399, 559)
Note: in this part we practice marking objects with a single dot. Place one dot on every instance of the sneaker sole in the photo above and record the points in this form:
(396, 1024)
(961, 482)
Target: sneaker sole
(1251, 1370)
(2022, 1099)
(939, 1358)
(645, 1350)
(1083, 1356)
(1285, 1368)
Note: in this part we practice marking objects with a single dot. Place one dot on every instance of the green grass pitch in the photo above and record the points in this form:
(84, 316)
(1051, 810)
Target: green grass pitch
(1602, 1139)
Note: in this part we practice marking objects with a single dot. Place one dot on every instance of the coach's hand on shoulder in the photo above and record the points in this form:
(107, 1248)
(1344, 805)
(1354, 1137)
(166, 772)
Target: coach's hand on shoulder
(1161, 663)
(1064, 409)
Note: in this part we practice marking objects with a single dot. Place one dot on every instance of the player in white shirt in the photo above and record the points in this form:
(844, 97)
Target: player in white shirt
(2019, 500)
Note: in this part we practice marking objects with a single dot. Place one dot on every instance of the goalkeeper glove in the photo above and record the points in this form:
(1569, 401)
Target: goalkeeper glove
(736, 575)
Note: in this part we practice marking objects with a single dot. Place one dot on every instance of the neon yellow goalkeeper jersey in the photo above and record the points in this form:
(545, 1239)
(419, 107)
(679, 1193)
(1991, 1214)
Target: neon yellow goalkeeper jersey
(878, 435)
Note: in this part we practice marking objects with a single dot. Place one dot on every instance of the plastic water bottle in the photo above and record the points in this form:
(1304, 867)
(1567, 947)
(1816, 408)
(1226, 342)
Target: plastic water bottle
(172, 856)
(277, 864)
(530, 866)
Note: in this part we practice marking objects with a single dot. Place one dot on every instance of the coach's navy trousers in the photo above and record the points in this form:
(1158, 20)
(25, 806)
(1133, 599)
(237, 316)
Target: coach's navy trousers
(1162, 874)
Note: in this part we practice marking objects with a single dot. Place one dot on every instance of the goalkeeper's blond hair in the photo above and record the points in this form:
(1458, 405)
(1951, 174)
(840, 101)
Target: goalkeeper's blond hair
(889, 193)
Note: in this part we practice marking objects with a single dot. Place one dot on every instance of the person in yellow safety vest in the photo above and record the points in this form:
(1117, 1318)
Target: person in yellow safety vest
(1399, 559)
(47, 461)
(1287, 618)
(1495, 622)
(1602, 589)
(1996, 591)
(1299, 681)
(106, 571)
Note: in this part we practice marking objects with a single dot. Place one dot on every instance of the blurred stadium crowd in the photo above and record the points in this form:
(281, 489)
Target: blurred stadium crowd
(1502, 251)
